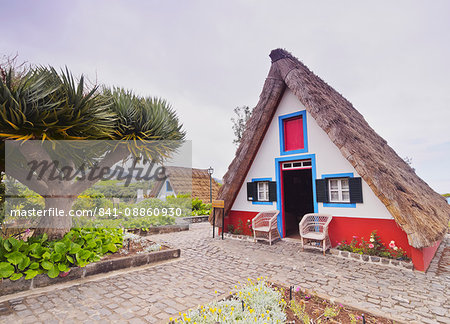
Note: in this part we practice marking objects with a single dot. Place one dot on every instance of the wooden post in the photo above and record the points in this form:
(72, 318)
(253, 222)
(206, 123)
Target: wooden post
(220, 204)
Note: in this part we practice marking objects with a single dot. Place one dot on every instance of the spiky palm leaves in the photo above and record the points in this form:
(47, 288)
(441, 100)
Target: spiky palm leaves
(141, 120)
(44, 104)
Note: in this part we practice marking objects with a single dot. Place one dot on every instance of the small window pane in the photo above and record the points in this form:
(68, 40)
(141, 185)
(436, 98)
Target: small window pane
(345, 196)
(297, 164)
(307, 163)
(334, 184)
(334, 196)
(263, 191)
(344, 184)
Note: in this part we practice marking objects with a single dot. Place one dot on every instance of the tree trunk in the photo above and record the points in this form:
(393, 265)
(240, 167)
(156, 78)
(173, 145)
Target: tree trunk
(56, 222)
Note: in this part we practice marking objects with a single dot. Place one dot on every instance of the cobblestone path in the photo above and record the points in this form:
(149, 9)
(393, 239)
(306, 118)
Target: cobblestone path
(153, 294)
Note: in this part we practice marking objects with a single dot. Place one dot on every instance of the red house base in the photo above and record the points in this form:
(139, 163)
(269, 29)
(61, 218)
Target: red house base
(344, 228)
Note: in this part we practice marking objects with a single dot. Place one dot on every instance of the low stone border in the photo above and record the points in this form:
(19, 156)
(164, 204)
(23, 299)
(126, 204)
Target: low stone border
(373, 259)
(196, 219)
(161, 229)
(238, 237)
(10, 287)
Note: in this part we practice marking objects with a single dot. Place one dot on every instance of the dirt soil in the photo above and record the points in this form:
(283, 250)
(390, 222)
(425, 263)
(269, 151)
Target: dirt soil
(315, 306)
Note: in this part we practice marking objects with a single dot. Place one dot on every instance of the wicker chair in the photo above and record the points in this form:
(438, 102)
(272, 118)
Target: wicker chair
(265, 226)
(314, 227)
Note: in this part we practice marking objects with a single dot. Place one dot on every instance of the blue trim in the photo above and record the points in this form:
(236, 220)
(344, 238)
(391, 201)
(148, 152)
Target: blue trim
(305, 133)
(341, 205)
(168, 186)
(339, 175)
(261, 202)
(261, 179)
(277, 173)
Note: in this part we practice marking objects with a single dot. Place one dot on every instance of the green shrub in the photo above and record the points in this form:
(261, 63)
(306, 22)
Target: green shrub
(199, 208)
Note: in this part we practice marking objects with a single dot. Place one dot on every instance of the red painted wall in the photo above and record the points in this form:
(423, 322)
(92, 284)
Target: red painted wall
(293, 133)
(422, 257)
(344, 228)
(234, 217)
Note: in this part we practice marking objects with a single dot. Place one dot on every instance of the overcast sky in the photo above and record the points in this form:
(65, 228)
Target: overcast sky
(389, 58)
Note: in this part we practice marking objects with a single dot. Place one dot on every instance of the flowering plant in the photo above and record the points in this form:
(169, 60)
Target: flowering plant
(373, 247)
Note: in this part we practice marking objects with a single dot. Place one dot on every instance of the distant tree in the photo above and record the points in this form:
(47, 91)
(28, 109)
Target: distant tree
(243, 114)
(408, 160)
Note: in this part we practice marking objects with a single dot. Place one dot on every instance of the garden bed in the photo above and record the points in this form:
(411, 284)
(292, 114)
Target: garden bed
(259, 301)
(136, 251)
(373, 251)
(305, 307)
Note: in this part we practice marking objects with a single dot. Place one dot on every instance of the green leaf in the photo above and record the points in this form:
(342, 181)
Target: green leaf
(74, 248)
(7, 245)
(47, 265)
(83, 255)
(46, 255)
(15, 257)
(38, 252)
(112, 247)
(24, 263)
(56, 257)
(34, 266)
(53, 272)
(91, 244)
(63, 267)
(30, 274)
(60, 247)
(16, 276)
(6, 269)
(15, 244)
(69, 258)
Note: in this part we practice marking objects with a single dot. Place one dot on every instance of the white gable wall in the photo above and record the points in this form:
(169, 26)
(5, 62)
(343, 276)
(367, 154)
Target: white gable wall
(163, 193)
(329, 160)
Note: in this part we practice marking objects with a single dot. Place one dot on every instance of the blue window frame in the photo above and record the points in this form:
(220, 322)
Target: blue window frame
(336, 176)
(305, 133)
(262, 202)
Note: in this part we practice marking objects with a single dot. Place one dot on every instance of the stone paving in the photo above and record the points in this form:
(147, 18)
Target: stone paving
(153, 294)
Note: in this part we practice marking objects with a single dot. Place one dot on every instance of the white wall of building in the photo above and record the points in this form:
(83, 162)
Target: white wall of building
(329, 160)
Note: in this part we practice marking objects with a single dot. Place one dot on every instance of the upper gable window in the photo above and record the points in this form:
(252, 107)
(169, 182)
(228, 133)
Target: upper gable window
(293, 135)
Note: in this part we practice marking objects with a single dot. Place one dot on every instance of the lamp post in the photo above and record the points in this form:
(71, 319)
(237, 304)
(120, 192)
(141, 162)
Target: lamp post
(210, 172)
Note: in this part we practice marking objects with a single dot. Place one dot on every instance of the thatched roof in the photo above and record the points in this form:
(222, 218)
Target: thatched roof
(188, 181)
(421, 212)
